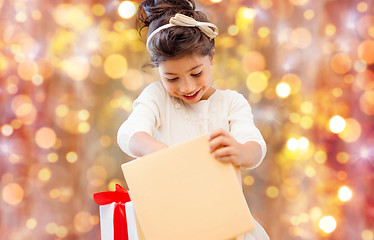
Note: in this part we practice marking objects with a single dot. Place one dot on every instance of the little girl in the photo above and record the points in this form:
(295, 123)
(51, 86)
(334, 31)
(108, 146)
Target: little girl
(184, 104)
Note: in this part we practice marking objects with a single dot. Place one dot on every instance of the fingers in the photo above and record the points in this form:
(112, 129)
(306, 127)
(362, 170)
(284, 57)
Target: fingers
(217, 133)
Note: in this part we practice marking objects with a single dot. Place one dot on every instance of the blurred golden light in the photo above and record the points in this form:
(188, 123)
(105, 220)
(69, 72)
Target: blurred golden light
(315, 213)
(284, 35)
(306, 122)
(266, 4)
(360, 66)
(98, 9)
(12, 194)
(216, 1)
(81, 223)
(76, 67)
(293, 81)
(257, 82)
(37, 80)
(310, 172)
(364, 153)
(362, 7)
(6, 130)
(341, 175)
(295, 117)
(320, 156)
(51, 228)
(112, 184)
(233, 30)
(94, 219)
(345, 194)
(115, 66)
(371, 32)
(21, 17)
(299, 2)
(337, 92)
(366, 51)
(68, 15)
(105, 141)
(36, 15)
(248, 13)
(52, 157)
(16, 124)
(44, 174)
(367, 102)
(263, 32)
(45, 137)
(327, 224)
(27, 69)
(71, 157)
(248, 180)
(31, 223)
(337, 124)
(96, 61)
(328, 48)
(301, 37)
(83, 114)
(133, 80)
(341, 63)
(84, 127)
(303, 143)
(61, 232)
(45, 68)
(352, 131)
(61, 110)
(97, 175)
(23, 107)
(292, 144)
(367, 234)
(330, 29)
(283, 89)
(272, 192)
(126, 9)
(54, 193)
(306, 107)
(342, 157)
(254, 61)
(309, 14)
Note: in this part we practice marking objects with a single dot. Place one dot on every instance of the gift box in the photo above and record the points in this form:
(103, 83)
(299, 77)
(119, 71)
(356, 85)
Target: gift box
(184, 193)
(117, 218)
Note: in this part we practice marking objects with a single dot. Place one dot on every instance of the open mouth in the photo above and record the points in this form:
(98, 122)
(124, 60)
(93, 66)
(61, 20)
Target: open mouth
(191, 96)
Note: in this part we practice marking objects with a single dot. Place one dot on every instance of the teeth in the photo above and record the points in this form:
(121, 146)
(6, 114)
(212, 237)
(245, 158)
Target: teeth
(191, 94)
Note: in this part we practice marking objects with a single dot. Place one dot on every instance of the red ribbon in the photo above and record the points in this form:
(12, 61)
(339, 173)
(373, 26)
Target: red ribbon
(120, 196)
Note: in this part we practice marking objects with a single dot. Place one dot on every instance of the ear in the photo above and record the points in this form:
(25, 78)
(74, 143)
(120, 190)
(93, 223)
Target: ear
(212, 57)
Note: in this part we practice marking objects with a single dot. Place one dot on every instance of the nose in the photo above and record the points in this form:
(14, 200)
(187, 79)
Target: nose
(187, 86)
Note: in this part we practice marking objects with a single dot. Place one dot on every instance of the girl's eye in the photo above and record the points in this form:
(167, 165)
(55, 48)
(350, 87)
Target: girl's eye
(171, 79)
(197, 74)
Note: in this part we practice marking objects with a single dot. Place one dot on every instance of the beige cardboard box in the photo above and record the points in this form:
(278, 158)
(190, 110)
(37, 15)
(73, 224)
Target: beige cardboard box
(182, 192)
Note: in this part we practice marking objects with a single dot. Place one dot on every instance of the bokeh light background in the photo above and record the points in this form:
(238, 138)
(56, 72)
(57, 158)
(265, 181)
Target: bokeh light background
(70, 71)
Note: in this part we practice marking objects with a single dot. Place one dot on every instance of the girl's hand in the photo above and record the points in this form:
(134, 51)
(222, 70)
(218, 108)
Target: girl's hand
(226, 149)
(141, 144)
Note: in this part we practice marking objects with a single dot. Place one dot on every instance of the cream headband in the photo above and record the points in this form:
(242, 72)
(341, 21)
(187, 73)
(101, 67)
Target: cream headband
(209, 29)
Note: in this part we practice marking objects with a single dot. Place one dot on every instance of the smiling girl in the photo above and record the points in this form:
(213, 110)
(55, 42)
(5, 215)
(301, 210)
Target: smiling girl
(184, 104)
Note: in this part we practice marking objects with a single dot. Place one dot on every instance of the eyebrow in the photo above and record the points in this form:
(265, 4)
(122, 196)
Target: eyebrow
(170, 73)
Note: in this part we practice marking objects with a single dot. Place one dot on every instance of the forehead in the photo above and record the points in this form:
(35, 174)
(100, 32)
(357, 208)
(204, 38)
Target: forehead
(183, 64)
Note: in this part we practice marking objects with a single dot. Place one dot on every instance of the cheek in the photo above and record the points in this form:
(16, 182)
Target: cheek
(169, 86)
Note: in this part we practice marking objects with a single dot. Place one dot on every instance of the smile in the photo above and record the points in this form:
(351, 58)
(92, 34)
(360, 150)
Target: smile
(191, 96)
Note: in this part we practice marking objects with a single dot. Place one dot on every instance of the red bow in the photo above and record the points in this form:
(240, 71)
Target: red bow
(120, 196)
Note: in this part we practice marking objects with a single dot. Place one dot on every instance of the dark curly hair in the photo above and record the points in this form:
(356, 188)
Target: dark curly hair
(174, 42)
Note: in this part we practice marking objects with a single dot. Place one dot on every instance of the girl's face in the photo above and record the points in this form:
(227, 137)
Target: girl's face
(188, 78)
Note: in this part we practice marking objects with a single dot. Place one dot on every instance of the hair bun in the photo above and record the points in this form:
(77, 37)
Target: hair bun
(151, 10)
